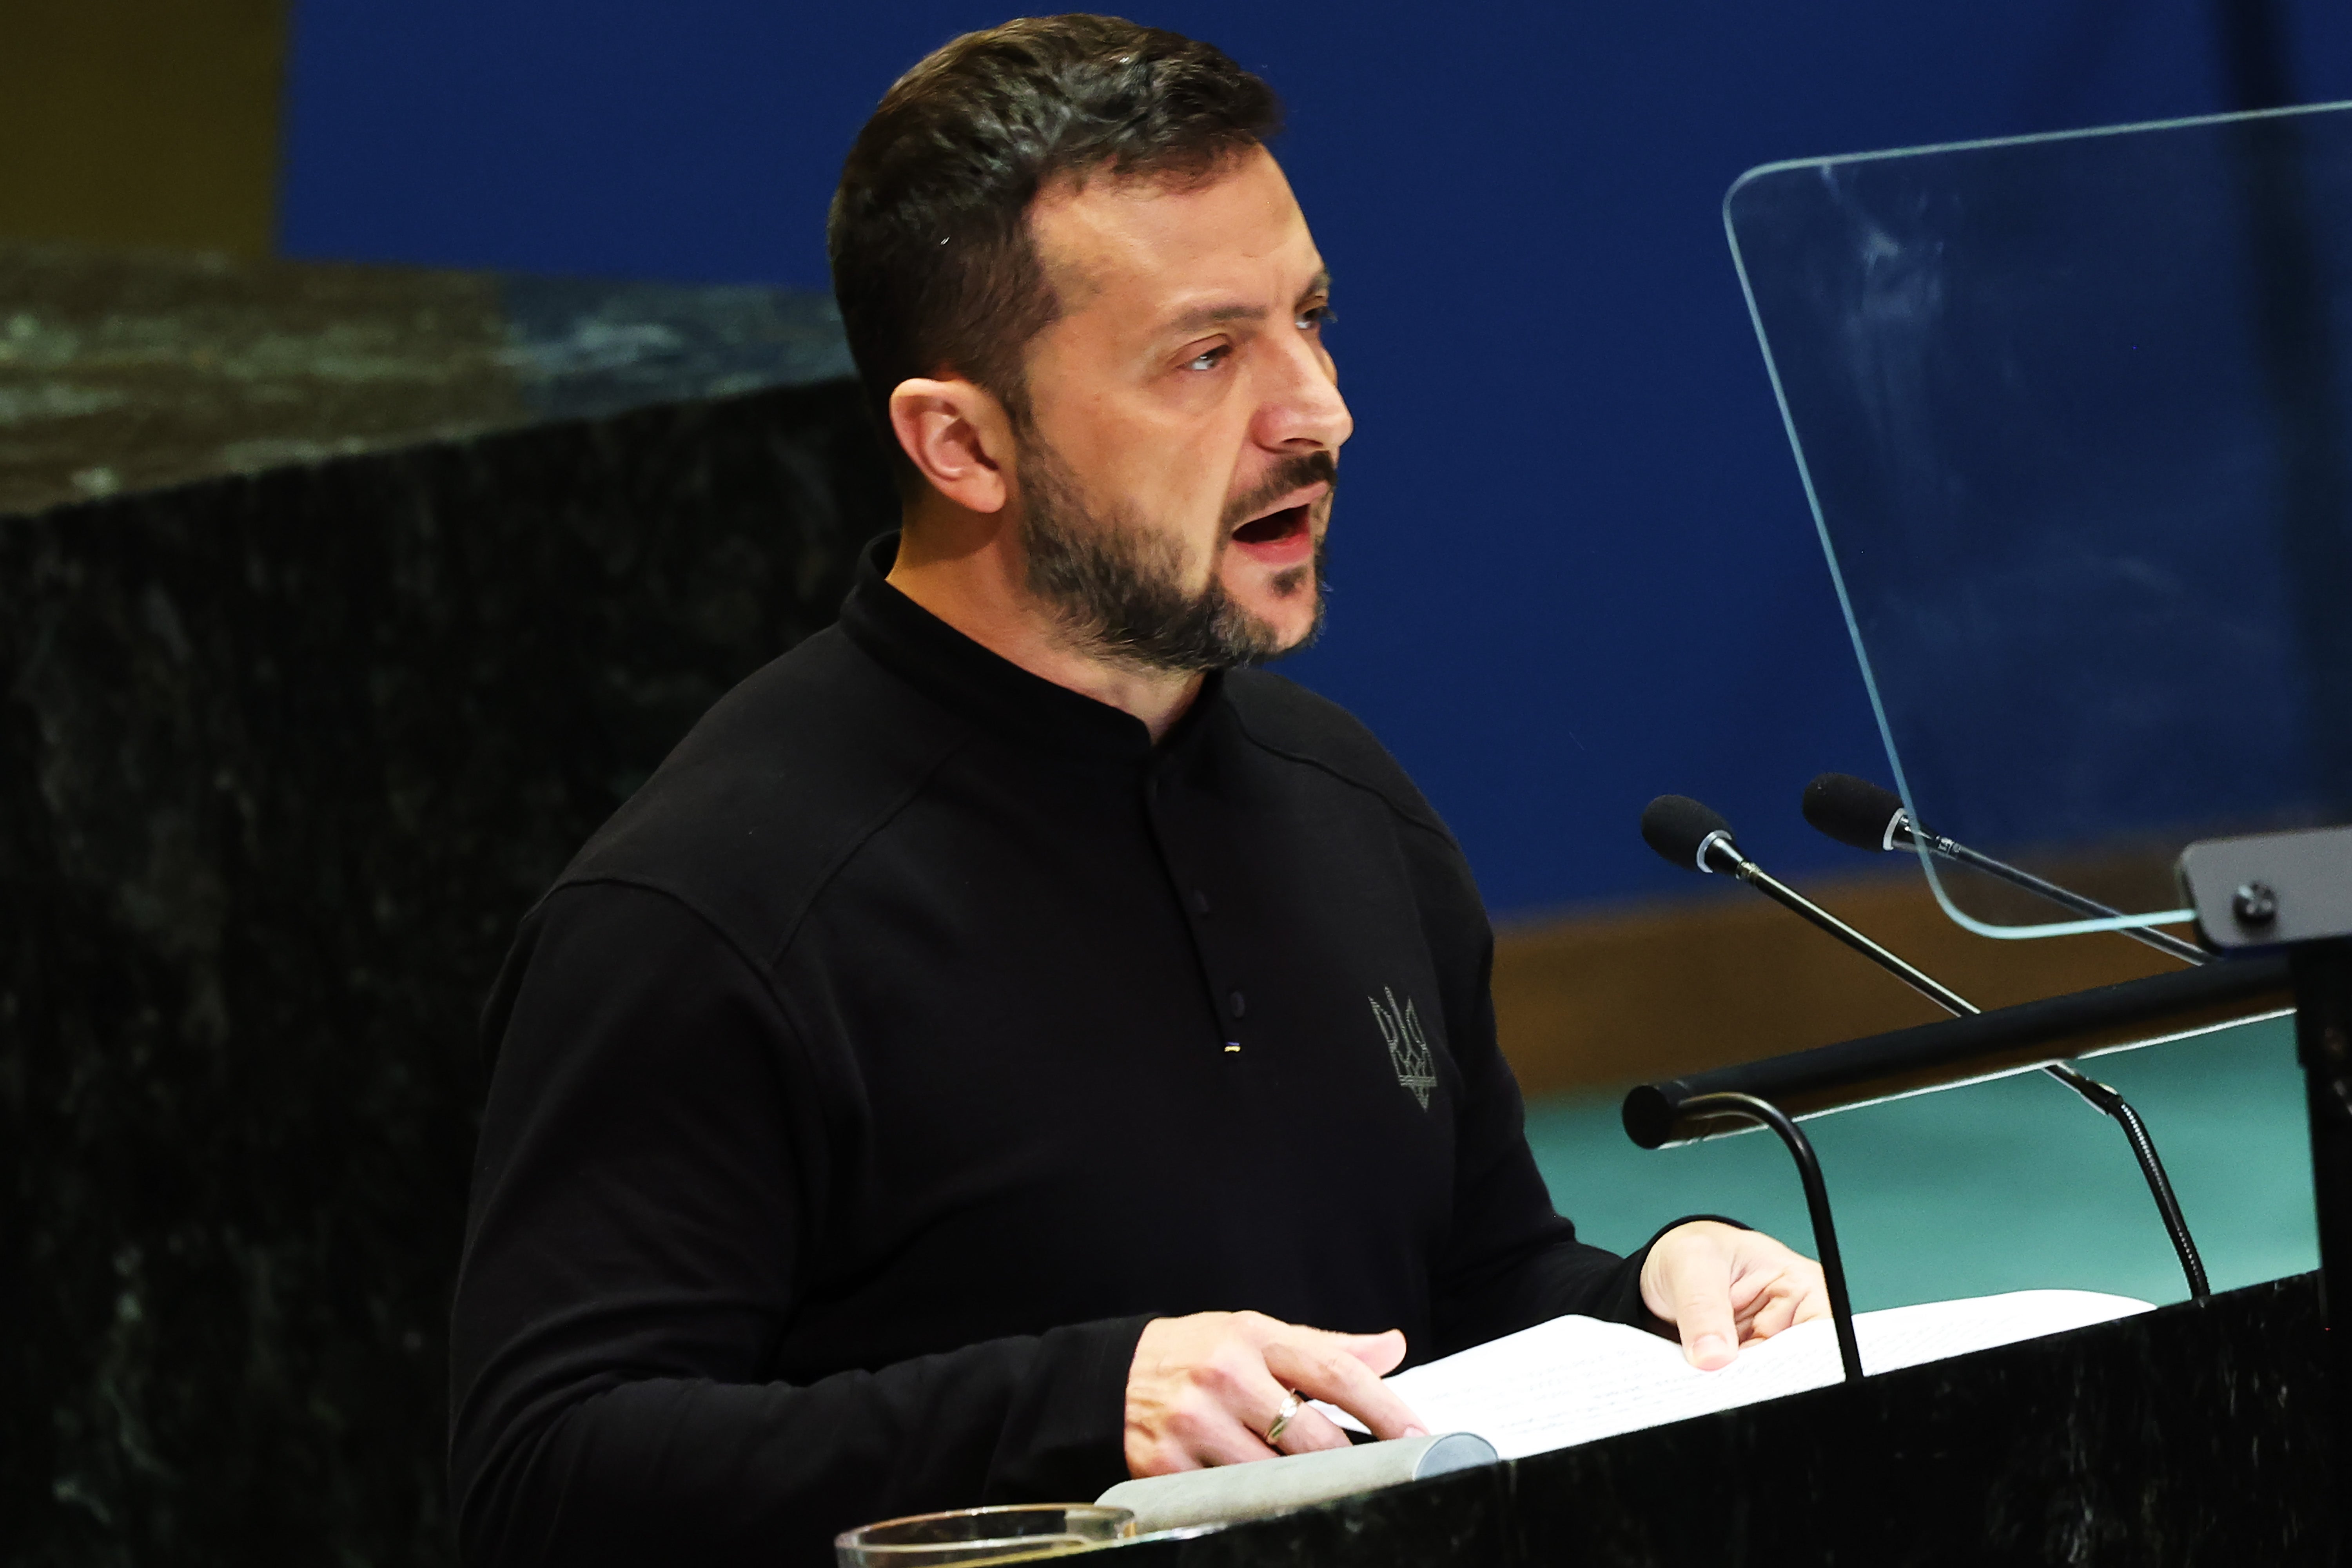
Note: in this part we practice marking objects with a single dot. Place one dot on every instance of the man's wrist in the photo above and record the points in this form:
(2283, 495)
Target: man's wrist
(1071, 1424)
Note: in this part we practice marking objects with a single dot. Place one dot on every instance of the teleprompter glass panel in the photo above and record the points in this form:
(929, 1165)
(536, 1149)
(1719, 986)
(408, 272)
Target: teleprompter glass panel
(2074, 414)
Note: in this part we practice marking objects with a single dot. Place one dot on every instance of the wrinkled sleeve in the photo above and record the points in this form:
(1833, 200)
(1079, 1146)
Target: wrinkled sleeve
(651, 1166)
(1511, 1260)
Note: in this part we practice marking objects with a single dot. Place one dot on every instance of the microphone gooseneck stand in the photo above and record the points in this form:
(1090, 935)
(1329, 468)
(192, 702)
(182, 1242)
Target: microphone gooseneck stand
(2097, 1095)
(1870, 816)
(1674, 822)
(1817, 1206)
(1959, 853)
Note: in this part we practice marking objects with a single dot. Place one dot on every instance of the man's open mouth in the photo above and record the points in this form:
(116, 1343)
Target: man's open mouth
(1275, 527)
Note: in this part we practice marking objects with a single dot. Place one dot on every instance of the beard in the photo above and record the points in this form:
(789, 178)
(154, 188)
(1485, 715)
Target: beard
(1116, 585)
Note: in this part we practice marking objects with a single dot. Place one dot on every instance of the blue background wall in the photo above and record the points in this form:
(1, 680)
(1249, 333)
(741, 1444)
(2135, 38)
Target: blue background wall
(1573, 568)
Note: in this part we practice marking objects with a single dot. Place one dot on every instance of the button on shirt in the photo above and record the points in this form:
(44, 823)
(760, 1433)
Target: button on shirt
(915, 1035)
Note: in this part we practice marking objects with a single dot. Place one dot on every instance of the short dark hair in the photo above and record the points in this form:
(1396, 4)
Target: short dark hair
(934, 262)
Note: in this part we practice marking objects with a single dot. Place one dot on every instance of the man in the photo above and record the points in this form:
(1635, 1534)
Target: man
(1011, 1045)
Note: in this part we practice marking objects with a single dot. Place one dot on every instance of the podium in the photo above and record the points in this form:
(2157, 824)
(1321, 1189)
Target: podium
(2193, 1434)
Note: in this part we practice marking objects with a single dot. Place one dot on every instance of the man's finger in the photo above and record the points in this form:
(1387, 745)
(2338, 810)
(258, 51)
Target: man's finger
(1226, 1423)
(1378, 1352)
(1236, 1432)
(1814, 1302)
(1333, 1375)
(1309, 1431)
(1227, 1441)
(1776, 1314)
(1700, 1288)
(1783, 1286)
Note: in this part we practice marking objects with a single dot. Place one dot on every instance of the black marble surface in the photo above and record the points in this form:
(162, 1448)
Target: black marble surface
(2190, 1435)
(124, 370)
(283, 758)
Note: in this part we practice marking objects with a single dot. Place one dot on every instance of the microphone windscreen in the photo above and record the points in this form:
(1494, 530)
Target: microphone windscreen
(1850, 810)
(1676, 825)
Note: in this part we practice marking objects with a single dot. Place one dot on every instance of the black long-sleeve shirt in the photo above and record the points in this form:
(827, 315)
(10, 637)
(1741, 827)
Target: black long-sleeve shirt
(917, 1034)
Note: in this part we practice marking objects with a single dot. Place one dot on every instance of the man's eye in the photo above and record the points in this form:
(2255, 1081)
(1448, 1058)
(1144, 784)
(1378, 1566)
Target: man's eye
(1317, 317)
(1208, 359)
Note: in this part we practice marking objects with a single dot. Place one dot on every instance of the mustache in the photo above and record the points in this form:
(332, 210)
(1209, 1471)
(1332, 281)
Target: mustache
(1293, 472)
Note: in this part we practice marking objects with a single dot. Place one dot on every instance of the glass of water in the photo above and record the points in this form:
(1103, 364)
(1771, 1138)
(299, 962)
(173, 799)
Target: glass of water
(1019, 1533)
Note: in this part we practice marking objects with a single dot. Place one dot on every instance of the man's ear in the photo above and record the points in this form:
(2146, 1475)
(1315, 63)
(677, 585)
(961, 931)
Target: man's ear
(957, 436)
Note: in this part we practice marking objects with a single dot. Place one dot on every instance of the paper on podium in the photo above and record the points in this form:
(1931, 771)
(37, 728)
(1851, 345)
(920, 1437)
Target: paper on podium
(1573, 1379)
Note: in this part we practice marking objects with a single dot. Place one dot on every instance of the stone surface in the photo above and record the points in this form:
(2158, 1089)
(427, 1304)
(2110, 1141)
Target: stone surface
(283, 758)
(2189, 1435)
(124, 370)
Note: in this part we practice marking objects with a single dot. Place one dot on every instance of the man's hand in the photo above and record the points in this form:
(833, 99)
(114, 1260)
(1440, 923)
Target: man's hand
(1722, 1287)
(1203, 1390)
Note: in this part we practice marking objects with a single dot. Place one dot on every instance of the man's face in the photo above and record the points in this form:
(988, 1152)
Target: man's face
(1177, 484)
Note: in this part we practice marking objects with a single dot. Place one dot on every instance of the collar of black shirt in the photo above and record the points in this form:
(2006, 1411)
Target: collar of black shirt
(991, 691)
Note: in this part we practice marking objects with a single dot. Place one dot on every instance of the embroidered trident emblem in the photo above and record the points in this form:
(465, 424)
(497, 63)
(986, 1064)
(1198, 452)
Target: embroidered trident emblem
(1408, 1047)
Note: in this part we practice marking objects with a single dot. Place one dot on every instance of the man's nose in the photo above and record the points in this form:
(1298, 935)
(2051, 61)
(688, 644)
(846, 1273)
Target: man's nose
(1300, 405)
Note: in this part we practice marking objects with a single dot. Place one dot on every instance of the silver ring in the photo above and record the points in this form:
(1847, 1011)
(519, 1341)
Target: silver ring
(1282, 1418)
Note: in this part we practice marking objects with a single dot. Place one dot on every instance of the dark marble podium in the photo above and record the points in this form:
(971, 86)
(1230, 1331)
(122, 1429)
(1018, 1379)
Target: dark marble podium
(2190, 1435)
(338, 606)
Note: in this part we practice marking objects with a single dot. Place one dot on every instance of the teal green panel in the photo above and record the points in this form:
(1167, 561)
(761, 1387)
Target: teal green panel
(2005, 1185)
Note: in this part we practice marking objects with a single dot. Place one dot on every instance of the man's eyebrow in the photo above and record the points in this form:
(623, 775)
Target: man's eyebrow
(1203, 316)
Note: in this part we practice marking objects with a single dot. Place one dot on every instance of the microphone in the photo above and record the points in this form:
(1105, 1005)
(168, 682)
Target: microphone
(1687, 833)
(1870, 817)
